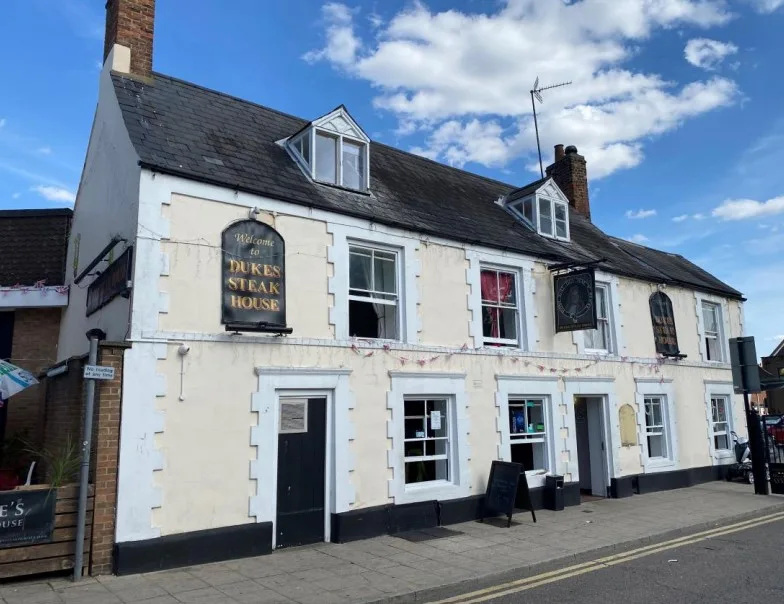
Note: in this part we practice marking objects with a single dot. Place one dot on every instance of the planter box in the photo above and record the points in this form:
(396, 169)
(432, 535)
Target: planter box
(57, 555)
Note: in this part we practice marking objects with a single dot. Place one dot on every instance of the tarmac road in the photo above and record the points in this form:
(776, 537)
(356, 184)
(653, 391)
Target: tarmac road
(733, 564)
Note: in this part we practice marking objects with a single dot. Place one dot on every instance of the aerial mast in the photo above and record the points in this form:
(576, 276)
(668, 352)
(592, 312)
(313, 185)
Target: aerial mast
(536, 93)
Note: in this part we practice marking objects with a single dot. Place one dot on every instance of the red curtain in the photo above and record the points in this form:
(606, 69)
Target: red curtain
(496, 288)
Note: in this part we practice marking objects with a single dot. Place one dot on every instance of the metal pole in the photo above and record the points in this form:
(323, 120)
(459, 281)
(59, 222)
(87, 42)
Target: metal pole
(536, 127)
(84, 478)
(758, 453)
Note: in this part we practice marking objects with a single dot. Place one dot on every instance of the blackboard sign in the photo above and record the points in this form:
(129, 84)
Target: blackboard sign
(254, 278)
(26, 517)
(776, 478)
(663, 321)
(575, 307)
(111, 283)
(502, 490)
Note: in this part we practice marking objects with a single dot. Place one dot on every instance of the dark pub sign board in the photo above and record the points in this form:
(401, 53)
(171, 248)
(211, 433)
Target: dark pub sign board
(253, 278)
(111, 283)
(506, 478)
(575, 307)
(664, 335)
(26, 517)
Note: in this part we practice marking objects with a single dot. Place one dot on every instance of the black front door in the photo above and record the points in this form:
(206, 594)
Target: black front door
(302, 443)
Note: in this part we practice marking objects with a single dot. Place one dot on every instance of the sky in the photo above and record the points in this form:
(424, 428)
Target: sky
(675, 104)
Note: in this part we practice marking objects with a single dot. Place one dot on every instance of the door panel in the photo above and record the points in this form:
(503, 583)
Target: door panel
(596, 440)
(301, 471)
(583, 443)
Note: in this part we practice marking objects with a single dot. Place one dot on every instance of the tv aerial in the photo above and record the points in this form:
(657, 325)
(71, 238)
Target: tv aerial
(536, 93)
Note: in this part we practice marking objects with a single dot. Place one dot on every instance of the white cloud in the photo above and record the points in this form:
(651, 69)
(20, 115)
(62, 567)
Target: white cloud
(640, 214)
(741, 209)
(698, 216)
(55, 193)
(680, 218)
(2, 122)
(16, 196)
(708, 54)
(342, 45)
(766, 6)
(638, 238)
(455, 74)
(45, 150)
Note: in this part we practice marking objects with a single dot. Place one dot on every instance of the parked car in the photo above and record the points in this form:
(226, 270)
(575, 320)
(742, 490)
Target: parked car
(776, 431)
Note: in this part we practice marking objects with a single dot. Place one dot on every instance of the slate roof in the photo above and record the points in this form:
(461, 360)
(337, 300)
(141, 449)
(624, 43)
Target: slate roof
(33, 246)
(186, 130)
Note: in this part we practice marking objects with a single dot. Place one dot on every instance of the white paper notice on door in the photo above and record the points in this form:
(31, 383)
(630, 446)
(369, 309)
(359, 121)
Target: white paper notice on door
(435, 420)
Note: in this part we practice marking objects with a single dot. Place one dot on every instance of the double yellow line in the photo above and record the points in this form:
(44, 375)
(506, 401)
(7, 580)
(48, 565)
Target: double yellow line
(505, 589)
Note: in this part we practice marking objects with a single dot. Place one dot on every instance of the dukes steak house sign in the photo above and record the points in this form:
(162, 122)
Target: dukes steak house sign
(253, 278)
(664, 334)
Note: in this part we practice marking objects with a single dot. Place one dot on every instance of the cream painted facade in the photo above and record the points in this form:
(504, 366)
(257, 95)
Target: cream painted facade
(199, 430)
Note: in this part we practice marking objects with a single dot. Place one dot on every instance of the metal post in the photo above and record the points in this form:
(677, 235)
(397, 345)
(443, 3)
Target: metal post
(84, 478)
(536, 126)
(758, 453)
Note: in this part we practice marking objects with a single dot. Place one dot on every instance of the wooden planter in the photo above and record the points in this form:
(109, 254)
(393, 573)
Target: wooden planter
(59, 554)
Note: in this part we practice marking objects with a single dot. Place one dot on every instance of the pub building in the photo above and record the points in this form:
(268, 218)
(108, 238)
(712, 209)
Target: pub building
(332, 339)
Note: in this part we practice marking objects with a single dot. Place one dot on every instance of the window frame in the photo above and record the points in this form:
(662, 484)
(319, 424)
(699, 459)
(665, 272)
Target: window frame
(516, 439)
(662, 389)
(727, 424)
(715, 335)
(449, 455)
(309, 164)
(720, 389)
(613, 306)
(517, 387)
(659, 429)
(373, 300)
(518, 306)
(518, 208)
(418, 385)
(722, 323)
(610, 349)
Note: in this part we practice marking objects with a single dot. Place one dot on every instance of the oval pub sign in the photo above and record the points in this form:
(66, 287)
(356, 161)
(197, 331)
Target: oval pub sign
(254, 277)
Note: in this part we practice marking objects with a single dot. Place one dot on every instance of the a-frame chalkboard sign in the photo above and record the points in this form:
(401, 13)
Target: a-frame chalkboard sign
(506, 479)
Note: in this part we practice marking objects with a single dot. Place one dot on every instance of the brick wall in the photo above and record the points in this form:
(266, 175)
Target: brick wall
(34, 348)
(64, 416)
(131, 23)
(107, 445)
(570, 173)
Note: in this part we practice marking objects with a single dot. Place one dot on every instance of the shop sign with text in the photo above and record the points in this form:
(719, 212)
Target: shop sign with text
(664, 334)
(253, 277)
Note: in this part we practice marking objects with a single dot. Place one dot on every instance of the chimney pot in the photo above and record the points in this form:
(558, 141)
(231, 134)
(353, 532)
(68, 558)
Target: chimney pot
(559, 152)
(571, 175)
(571, 149)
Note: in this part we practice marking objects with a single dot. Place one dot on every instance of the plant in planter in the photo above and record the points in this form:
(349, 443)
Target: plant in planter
(61, 463)
(15, 460)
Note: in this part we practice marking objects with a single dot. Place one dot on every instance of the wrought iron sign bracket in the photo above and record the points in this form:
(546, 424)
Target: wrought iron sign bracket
(259, 328)
(567, 266)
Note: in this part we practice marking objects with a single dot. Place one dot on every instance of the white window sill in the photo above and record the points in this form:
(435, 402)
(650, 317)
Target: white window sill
(659, 464)
(600, 352)
(426, 491)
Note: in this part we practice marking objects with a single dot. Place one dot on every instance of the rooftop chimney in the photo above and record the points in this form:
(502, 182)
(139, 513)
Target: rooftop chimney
(129, 33)
(570, 174)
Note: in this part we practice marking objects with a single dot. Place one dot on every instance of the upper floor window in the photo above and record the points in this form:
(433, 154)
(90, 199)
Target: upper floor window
(500, 309)
(334, 150)
(712, 331)
(548, 216)
(373, 299)
(600, 339)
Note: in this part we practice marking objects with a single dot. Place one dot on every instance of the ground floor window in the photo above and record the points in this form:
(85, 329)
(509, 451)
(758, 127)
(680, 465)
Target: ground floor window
(528, 433)
(656, 427)
(427, 440)
(720, 422)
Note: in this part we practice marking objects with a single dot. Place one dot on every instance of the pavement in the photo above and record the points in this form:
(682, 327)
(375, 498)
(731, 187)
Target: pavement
(421, 567)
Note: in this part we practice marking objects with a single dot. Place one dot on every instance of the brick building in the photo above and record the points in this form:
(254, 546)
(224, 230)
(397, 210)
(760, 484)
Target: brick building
(773, 366)
(33, 250)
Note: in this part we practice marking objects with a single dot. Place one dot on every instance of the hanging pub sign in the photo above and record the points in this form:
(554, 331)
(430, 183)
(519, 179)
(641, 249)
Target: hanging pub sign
(574, 300)
(113, 282)
(26, 517)
(664, 335)
(253, 283)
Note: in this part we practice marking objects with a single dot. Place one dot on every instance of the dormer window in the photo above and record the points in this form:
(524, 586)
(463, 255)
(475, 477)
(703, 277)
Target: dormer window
(544, 209)
(334, 150)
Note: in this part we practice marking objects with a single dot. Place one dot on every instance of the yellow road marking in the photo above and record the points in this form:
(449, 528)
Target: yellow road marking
(520, 585)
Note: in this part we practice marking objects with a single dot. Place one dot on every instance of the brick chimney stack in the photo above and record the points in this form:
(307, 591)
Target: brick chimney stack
(571, 175)
(129, 33)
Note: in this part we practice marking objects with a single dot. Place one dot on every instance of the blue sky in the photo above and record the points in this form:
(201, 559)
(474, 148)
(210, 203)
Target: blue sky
(676, 104)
